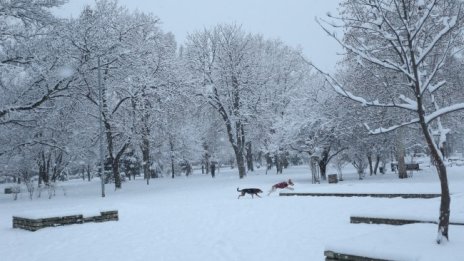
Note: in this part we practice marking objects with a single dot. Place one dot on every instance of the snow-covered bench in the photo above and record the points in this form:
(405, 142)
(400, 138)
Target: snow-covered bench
(408, 166)
(333, 256)
(393, 221)
(375, 195)
(33, 223)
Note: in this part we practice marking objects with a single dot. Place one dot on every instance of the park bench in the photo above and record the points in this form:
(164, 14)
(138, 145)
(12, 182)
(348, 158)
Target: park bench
(333, 256)
(393, 221)
(375, 195)
(11, 190)
(408, 166)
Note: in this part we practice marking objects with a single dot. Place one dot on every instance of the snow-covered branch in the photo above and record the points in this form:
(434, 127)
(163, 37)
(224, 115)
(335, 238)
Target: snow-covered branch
(434, 87)
(443, 111)
(408, 105)
(382, 130)
(428, 119)
(422, 21)
(385, 63)
(449, 25)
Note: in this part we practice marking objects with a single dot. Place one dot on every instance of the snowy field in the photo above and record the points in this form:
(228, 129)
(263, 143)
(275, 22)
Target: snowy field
(200, 218)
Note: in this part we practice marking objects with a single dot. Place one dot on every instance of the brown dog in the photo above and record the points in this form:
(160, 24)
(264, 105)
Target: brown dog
(251, 191)
(282, 185)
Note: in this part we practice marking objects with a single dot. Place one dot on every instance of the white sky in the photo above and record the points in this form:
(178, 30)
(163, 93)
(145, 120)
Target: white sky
(293, 21)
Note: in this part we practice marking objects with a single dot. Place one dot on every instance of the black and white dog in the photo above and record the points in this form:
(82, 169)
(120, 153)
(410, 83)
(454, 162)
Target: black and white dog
(251, 191)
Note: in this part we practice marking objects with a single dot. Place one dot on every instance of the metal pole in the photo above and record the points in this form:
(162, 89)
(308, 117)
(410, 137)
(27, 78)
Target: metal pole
(102, 155)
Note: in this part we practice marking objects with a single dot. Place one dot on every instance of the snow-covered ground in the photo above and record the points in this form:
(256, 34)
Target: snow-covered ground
(200, 218)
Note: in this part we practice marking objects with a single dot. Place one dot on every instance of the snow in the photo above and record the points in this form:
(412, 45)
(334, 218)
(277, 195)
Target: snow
(66, 72)
(442, 111)
(404, 243)
(200, 218)
(391, 128)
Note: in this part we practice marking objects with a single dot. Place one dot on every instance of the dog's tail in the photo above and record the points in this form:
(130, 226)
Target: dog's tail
(238, 190)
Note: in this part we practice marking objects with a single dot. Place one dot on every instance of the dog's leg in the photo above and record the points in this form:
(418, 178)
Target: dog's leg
(257, 195)
(272, 190)
(241, 195)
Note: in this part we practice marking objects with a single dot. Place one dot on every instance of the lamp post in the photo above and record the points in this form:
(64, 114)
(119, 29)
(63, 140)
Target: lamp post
(102, 155)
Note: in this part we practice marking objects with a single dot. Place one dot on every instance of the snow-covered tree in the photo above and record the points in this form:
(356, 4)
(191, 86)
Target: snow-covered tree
(152, 78)
(284, 77)
(223, 60)
(413, 41)
(134, 57)
(37, 77)
(33, 69)
(246, 79)
(313, 123)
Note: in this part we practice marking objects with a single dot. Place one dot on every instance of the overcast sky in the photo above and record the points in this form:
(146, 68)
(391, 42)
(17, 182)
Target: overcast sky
(290, 20)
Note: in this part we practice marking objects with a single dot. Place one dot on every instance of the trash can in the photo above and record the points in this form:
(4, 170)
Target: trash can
(333, 178)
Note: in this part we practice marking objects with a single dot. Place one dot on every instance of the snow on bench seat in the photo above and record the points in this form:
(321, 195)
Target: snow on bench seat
(408, 242)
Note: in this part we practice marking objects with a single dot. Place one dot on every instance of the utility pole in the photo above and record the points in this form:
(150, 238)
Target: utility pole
(102, 155)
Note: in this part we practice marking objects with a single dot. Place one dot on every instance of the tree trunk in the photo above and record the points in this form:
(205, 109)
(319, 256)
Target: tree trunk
(88, 172)
(237, 138)
(268, 161)
(377, 162)
(44, 166)
(240, 164)
(206, 162)
(445, 201)
(402, 172)
(324, 161)
(249, 156)
(145, 148)
(115, 165)
(114, 168)
(369, 160)
(57, 166)
(237, 144)
(116, 174)
(315, 172)
(323, 169)
(278, 163)
(171, 147)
